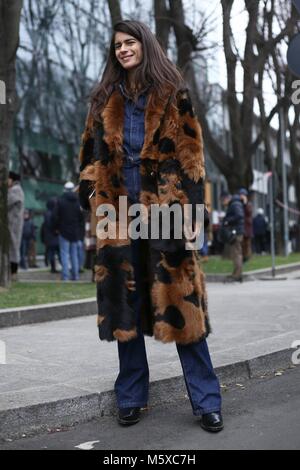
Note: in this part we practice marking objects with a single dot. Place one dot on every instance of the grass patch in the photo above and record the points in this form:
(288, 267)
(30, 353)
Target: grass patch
(217, 265)
(34, 293)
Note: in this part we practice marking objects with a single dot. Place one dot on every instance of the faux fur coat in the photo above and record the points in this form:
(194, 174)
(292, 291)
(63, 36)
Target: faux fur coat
(174, 301)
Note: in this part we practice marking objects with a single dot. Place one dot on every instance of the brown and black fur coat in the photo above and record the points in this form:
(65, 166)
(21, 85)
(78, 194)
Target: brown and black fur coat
(174, 302)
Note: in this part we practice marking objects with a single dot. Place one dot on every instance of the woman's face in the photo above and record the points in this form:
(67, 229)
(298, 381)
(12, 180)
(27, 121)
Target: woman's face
(128, 50)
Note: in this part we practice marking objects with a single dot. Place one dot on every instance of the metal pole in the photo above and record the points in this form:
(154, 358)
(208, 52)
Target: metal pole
(272, 227)
(284, 182)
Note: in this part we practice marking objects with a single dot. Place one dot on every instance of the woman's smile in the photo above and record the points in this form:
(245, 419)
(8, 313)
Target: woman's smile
(126, 58)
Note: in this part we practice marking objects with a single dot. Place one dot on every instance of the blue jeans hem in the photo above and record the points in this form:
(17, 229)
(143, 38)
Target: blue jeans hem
(132, 405)
(204, 412)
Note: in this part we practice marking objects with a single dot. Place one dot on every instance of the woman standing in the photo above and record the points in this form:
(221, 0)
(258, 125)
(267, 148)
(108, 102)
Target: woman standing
(143, 141)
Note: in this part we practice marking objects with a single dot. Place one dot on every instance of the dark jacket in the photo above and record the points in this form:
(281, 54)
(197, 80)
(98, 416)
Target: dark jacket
(48, 232)
(67, 216)
(235, 217)
(28, 230)
(259, 225)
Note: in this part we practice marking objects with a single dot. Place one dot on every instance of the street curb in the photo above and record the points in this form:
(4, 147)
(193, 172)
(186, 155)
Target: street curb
(47, 276)
(47, 312)
(256, 274)
(44, 417)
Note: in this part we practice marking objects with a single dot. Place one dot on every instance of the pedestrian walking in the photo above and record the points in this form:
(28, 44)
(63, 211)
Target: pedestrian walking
(80, 245)
(143, 141)
(233, 225)
(67, 220)
(49, 235)
(28, 234)
(32, 262)
(15, 208)
(260, 227)
(90, 241)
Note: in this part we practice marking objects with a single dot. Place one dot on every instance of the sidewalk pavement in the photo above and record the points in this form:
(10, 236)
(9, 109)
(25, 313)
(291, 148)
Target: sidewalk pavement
(59, 373)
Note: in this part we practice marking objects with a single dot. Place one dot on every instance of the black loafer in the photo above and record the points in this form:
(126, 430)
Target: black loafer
(128, 416)
(212, 422)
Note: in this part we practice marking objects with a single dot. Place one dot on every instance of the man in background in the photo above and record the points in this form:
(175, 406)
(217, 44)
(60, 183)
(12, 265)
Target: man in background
(28, 234)
(260, 227)
(67, 220)
(234, 223)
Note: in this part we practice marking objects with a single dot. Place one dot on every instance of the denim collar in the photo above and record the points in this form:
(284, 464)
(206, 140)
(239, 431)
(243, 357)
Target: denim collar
(141, 98)
(123, 89)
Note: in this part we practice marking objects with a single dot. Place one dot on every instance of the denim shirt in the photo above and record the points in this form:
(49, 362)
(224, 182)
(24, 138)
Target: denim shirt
(133, 140)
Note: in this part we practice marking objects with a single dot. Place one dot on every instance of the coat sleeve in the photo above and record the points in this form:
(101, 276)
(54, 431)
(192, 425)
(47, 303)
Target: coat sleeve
(87, 170)
(190, 152)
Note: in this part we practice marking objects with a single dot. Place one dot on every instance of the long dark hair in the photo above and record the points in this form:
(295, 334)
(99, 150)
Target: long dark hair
(155, 70)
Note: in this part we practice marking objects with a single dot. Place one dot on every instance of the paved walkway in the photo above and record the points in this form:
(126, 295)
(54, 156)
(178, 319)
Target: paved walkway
(62, 359)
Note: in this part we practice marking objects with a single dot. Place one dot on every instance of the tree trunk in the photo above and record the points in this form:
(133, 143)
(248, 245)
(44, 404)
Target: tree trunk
(10, 11)
(115, 11)
(162, 24)
(235, 165)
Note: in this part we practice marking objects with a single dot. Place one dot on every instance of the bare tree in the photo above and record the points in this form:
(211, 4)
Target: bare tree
(62, 55)
(282, 79)
(294, 131)
(9, 38)
(115, 11)
(162, 23)
(233, 162)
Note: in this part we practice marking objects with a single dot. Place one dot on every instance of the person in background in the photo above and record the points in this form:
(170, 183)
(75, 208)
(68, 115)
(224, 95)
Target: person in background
(260, 231)
(248, 227)
(80, 245)
(32, 247)
(49, 235)
(90, 238)
(234, 220)
(15, 208)
(90, 247)
(28, 234)
(67, 220)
